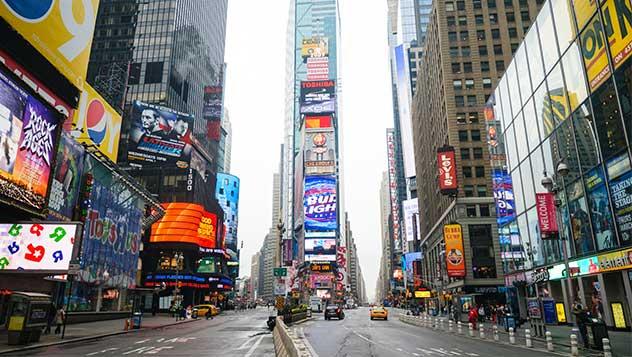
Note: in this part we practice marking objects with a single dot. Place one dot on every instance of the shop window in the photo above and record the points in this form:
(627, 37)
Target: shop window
(467, 172)
(468, 190)
(470, 210)
(465, 154)
(479, 19)
(482, 50)
(476, 135)
(480, 171)
(478, 153)
(608, 119)
(469, 83)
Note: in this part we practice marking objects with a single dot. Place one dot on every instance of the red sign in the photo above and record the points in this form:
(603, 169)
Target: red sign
(447, 170)
(545, 206)
(392, 183)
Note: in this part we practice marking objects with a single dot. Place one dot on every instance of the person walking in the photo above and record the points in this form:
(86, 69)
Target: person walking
(50, 319)
(60, 316)
(481, 313)
(473, 316)
(581, 318)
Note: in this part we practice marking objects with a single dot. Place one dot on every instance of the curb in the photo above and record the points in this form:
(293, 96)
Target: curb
(300, 321)
(89, 338)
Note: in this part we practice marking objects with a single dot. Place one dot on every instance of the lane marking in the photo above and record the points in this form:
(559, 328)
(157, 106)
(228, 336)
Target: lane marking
(158, 349)
(455, 353)
(139, 350)
(472, 354)
(254, 346)
(102, 351)
(399, 349)
(440, 350)
(245, 344)
(142, 341)
(416, 354)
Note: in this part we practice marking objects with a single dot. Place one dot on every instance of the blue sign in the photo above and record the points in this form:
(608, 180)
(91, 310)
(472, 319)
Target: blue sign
(319, 203)
(227, 193)
(550, 314)
(503, 196)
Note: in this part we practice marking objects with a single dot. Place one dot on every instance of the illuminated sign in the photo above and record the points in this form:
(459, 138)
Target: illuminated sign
(185, 223)
(453, 236)
(447, 170)
(392, 184)
(321, 267)
(319, 202)
(561, 313)
(423, 294)
(617, 315)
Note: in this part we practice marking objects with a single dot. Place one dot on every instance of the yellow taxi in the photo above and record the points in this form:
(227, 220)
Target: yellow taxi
(204, 308)
(379, 313)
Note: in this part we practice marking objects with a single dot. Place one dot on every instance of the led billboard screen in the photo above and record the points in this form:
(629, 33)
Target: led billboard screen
(212, 103)
(227, 193)
(318, 97)
(503, 196)
(185, 223)
(447, 170)
(320, 246)
(64, 190)
(159, 136)
(314, 47)
(319, 203)
(319, 155)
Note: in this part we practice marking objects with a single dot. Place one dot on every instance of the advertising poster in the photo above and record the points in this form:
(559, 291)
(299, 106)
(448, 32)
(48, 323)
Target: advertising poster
(319, 202)
(447, 170)
(299, 192)
(186, 223)
(318, 97)
(318, 122)
(111, 239)
(320, 155)
(409, 259)
(411, 219)
(618, 26)
(455, 260)
(96, 122)
(39, 246)
(60, 30)
(392, 184)
(621, 192)
(341, 274)
(593, 46)
(314, 47)
(320, 246)
(599, 206)
(317, 68)
(214, 130)
(227, 193)
(64, 190)
(584, 9)
(550, 314)
(159, 136)
(213, 98)
(28, 142)
(503, 196)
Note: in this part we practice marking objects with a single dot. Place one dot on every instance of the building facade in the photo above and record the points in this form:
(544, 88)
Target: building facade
(563, 108)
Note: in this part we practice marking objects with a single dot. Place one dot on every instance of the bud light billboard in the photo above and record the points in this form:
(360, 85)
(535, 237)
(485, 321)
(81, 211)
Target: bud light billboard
(503, 196)
(319, 203)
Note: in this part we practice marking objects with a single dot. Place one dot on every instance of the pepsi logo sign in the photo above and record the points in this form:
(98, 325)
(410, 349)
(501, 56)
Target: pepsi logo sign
(30, 10)
(97, 119)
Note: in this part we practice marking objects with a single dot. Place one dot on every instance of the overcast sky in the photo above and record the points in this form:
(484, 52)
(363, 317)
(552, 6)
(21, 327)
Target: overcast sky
(255, 54)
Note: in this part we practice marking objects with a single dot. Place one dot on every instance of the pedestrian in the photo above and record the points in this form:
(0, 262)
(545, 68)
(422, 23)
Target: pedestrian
(473, 316)
(60, 316)
(50, 318)
(481, 313)
(188, 312)
(581, 318)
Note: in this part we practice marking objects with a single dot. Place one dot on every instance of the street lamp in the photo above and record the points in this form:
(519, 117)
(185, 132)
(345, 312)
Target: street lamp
(561, 171)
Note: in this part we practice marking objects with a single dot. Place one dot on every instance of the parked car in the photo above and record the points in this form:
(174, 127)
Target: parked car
(378, 313)
(334, 311)
(204, 308)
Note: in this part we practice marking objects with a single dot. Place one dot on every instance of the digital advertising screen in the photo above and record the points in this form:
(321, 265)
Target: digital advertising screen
(503, 196)
(28, 143)
(227, 193)
(186, 223)
(159, 136)
(319, 203)
(213, 98)
(320, 257)
(319, 153)
(318, 97)
(320, 246)
(314, 47)
(64, 190)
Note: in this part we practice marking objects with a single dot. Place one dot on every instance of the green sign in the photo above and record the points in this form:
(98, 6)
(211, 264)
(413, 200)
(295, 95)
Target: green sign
(280, 271)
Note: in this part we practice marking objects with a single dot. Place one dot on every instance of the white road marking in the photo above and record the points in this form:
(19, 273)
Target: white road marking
(158, 349)
(142, 341)
(139, 350)
(160, 339)
(425, 351)
(103, 351)
(455, 353)
(472, 354)
(247, 343)
(399, 349)
(254, 347)
(416, 354)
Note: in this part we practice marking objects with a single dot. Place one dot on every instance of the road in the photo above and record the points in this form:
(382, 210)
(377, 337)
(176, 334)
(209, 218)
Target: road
(241, 334)
(357, 335)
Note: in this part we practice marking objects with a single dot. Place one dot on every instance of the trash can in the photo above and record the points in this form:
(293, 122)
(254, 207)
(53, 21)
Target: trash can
(136, 320)
(598, 329)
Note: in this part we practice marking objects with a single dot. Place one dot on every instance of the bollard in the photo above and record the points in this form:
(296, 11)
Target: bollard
(527, 337)
(481, 331)
(435, 323)
(549, 342)
(574, 349)
(496, 337)
(450, 326)
(607, 352)
(470, 328)
(459, 328)
(441, 327)
(512, 336)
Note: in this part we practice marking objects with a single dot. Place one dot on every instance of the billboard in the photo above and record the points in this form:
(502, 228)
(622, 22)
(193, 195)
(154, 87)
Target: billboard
(341, 274)
(447, 170)
(111, 238)
(64, 189)
(404, 99)
(227, 194)
(37, 246)
(213, 98)
(96, 122)
(320, 246)
(618, 26)
(318, 97)
(318, 122)
(320, 155)
(314, 47)
(545, 208)
(60, 30)
(392, 184)
(186, 223)
(411, 219)
(159, 136)
(317, 68)
(593, 46)
(28, 141)
(455, 260)
(503, 196)
(319, 203)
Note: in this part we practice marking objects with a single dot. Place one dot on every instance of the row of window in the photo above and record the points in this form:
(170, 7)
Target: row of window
(465, 153)
(491, 4)
(467, 67)
(469, 83)
(479, 171)
(476, 191)
(464, 118)
(461, 20)
(475, 135)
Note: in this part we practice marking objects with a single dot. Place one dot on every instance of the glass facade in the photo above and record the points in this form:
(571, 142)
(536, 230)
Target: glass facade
(566, 97)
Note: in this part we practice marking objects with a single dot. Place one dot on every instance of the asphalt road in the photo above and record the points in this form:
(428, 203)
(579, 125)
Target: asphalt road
(241, 334)
(357, 335)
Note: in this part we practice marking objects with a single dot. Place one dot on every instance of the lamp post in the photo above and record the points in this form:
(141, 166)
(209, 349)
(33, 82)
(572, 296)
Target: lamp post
(550, 184)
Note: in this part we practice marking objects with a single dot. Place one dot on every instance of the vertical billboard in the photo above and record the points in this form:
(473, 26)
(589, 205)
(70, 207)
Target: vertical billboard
(318, 97)
(341, 274)
(60, 30)
(227, 193)
(455, 259)
(64, 189)
(212, 111)
(392, 184)
(319, 203)
(411, 219)
(28, 142)
(617, 15)
(320, 155)
(447, 170)
(404, 100)
(314, 47)
(159, 136)
(545, 207)
(503, 196)
(96, 122)
(318, 122)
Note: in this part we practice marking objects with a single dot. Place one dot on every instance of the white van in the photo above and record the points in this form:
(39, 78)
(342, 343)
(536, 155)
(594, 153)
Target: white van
(316, 304)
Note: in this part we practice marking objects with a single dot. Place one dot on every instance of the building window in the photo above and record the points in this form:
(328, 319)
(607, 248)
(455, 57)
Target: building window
(495, 34)
(508, 3)
(467, 172)
(477, 4)
(481, 191)
(465, 154)
(513, 32)
(460, 5)
(465, 51)
(480, 171)
(463, 135)
(482, 50)
(454, 51)
(500, 66)
(471, 100)
(464, 35)
(491, 4)
(153, 72)
(478, 153)
(462, 20)
(459, 100)
(451, 21)
(487, 82)
(524, 15)
(511, 17)
(134, 73)
(484, 66)
(493, 19)
(514, 48)
(467, 67)
(481, 244)
(498, 50)
(483, 209)
(469, 83)
(458, 84)
(469, 192)
(608, 120)
(460, 118)
(456, 68)
(479, 19)
(476, 135)
(471, 210)
(449, 6)
(523, 3)
(452, 36)
(480, 35)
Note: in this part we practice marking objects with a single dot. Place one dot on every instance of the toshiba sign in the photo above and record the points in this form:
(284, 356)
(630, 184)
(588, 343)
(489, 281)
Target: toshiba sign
(447, 170)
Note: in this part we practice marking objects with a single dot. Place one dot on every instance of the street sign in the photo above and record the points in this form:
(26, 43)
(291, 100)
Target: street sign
(279, 286)
(73, 268)
(280, 271)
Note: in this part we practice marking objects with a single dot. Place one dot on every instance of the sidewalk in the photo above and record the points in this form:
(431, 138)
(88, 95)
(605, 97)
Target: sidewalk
(90, 330)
